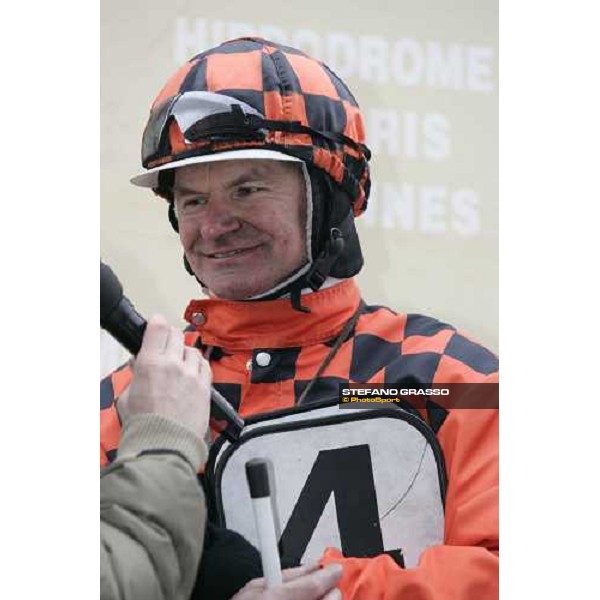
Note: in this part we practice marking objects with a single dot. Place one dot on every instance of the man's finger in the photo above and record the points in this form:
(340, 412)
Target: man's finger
(334, 594)
(205, 371)
(315, 585)
(175, 343)
(122, 400)
(287, 575)
(155, 337)
(192, 358)
(295, 572)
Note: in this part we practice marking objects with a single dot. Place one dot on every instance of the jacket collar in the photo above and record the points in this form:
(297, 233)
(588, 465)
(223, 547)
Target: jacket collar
(274, 323)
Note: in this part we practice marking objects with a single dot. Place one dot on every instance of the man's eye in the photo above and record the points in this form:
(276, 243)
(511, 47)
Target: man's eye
(193, 202)
(248, 190)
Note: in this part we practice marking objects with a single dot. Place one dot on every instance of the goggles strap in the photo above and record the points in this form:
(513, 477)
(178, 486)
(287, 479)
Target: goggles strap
(235, 124)
(248, 126)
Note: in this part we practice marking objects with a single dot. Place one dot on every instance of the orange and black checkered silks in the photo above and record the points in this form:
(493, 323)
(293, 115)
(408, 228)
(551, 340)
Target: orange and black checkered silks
(285, 85)
(402, 349)
(383, 347)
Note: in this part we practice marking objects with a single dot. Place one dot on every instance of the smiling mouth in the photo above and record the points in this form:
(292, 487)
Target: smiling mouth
(230, 253)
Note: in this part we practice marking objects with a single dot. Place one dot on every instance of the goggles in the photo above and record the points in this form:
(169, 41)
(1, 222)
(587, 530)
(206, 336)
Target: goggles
(209, 117)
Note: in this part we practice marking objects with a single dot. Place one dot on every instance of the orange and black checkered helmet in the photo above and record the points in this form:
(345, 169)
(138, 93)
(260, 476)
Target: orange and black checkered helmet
(250, 93)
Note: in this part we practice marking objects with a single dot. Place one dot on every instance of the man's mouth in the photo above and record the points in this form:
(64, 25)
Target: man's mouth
(229, 253)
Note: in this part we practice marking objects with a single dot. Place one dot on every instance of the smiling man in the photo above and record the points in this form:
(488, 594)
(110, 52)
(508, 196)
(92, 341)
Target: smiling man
(260, 153)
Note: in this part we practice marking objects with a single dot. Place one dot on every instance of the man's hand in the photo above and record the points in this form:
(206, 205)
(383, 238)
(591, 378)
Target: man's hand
(302, 583)
(169, 379)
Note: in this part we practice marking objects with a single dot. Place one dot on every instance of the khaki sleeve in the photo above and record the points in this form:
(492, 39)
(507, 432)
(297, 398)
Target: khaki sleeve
(152, 519)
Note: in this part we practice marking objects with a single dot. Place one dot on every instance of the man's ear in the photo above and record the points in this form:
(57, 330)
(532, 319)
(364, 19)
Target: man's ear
(187, 266)
(173, 217)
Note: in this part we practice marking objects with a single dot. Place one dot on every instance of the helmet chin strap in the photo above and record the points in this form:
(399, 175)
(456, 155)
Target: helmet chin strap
(320, 269)
(316, 275)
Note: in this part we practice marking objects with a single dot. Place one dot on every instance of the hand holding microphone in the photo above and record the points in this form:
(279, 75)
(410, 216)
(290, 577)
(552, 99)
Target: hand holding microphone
(127, 326)
(170, 379)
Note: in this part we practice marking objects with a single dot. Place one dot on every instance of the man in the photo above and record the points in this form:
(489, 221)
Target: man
(260, 152)
(152, 510)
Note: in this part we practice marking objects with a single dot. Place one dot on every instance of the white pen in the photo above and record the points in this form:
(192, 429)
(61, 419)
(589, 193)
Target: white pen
(257, 474)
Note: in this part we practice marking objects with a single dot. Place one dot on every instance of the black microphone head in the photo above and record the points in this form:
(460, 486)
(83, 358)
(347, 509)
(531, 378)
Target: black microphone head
(111, 292)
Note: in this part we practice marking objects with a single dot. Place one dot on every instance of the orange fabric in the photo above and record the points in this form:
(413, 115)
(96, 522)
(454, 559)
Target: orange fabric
(445, 573)
(330, 161)
(232, 369)
(234, 71)
(110, 432)
(452, 370)
(355, 125)
(177, 139)
(271, 323)
(309, 361)
(263, 398)
(466, 566)
(313, 356)
(312, 77)
(286, 138)
(290, 106)
(385, 324)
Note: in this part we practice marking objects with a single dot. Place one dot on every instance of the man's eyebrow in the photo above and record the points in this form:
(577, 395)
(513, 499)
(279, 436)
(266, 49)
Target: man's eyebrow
(184, 189)
(252, 174)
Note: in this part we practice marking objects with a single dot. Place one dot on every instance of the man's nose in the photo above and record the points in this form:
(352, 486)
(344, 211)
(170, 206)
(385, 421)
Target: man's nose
(218, 220)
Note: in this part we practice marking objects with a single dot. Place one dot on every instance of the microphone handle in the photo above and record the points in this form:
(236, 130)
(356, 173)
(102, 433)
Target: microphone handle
(236, 423)
(126, 325)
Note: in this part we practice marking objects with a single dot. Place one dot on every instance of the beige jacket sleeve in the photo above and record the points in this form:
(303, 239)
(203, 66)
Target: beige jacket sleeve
(152, 513)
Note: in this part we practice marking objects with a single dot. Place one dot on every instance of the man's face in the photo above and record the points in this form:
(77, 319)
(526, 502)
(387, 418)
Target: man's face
(242, 223)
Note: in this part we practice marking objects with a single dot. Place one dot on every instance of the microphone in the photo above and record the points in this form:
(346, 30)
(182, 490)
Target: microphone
(117, 314)
(119, 317)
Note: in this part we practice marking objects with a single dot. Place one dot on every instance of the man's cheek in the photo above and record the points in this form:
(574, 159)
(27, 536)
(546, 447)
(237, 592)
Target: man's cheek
(186, 238)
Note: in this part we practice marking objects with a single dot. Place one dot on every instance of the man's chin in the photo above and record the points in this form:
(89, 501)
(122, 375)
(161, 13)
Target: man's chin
(236, 292)
(238, 286)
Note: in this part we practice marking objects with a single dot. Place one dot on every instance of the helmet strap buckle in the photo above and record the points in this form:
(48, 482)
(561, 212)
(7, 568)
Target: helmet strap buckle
(320, 269)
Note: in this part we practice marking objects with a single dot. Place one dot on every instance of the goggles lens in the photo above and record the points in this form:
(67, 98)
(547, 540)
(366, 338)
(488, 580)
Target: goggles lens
(201, 115)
